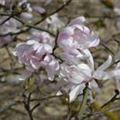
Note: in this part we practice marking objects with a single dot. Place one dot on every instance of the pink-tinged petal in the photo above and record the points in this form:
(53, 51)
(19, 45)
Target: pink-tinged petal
(31, 42)
(85, 70)
(74, 56)
(51, 65)
(35, 64)
(77, 79)
(65, 32)
(42, 37)
(106, 64)
(76, 91)
(47, 48)
(94, 43)
(26, 73)
(25, 16)
(47, 59)
(66, 44)
(39, 9)
(75, 73)
(77, 36)
(78, 20)
(38, 48)
(81, 30)
(94, 39)
(20, 48)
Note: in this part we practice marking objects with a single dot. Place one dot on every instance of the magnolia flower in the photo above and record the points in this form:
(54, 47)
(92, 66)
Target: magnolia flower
(77, 36)
(32, 52)
(76, 75)
(37, 53)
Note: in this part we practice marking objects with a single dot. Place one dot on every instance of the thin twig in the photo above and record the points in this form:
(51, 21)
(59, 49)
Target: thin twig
(38, 104)
(5, 20)
(114, 98)
(27, 105)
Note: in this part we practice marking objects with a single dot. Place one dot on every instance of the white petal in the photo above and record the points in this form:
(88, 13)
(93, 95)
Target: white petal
(89, 59)
(30, 42)
(25, 74)
(94, 39)
(35, 64)
(47, 48)
(76, 91)
(77, 20)
(101, 75)
(106, 64)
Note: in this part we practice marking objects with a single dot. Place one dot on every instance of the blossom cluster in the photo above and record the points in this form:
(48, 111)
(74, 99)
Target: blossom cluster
(73, 64)
(76, 68)
(36, 53)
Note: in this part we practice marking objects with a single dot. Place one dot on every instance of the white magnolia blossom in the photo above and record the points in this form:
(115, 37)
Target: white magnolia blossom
(78, 74)
(36, 53)
(77, 67)
(77, 36)
(77, 70)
